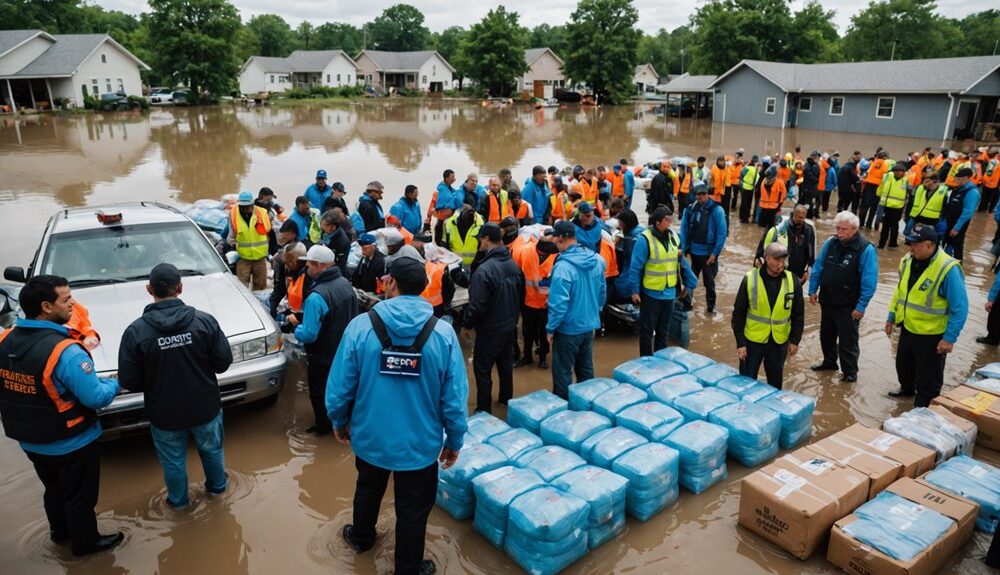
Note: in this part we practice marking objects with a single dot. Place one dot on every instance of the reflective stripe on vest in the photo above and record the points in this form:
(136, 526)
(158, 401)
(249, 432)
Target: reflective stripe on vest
(464, 249)
(588, 192)
(660, 271)
(251, 238)
(750, 178)
(928, 313)
(928, 208)
(892, 192)
(770, 197)
(432, 293)
(776, 234)
(763, 322)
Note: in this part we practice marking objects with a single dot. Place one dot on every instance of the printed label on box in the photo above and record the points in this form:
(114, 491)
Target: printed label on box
(883, 442)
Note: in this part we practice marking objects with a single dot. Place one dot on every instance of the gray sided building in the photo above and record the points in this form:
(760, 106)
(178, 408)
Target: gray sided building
(937, 99)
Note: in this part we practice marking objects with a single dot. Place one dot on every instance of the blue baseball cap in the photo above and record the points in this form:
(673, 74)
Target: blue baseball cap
(245, 199)
(366, 240)
(585, 208)
(320, 174)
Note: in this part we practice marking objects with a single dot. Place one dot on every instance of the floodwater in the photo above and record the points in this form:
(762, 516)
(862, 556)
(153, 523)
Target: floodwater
(291, 493)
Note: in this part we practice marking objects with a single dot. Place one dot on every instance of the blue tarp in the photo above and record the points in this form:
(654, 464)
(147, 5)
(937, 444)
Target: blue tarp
(973, 480)
(530, 410)
(569, 428)
(700, 404)
(643, 372)
(581, 395)
(670, 389)
(652, 419)
(602, 448)
(618, 398)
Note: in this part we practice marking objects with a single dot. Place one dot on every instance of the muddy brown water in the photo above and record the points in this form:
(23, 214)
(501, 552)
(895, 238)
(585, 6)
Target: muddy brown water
(291, 493)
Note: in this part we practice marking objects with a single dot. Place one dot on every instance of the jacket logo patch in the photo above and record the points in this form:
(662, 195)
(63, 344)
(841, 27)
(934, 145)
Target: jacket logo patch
(86, 367)
(174, 341)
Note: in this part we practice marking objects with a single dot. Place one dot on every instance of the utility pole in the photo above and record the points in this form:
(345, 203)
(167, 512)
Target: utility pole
(682, 61)
(893, 56)
(995, 47)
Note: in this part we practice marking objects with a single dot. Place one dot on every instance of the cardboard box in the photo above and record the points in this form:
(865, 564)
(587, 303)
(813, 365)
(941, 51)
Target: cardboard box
(794, 500)
(855, 557)
(915, 459)
(882, 471)
(979, 407)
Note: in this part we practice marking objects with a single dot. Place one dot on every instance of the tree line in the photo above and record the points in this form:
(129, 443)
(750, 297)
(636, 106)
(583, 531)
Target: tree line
(204, 42)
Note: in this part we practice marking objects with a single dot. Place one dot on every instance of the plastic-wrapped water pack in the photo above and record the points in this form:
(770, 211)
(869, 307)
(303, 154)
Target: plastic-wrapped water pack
(550, 461)
(746, 388)
(897, 526)
(711, 375)
(651, 470)
(602, 448)
(687, 359)
(582, 395)
(753, 431)
(569, 428)
(669, 389)
(454, 490)
(514, 442)
(702, 454)
(652, 419)
(602, 489)
(618, 398)
(483, 426)
(924, 427)
(796, 412)
(973, 480)
(991, 370)
(545, 530)
(495, 490)
(597, 535)
(530, 410)
(700, 404)
(643, 372)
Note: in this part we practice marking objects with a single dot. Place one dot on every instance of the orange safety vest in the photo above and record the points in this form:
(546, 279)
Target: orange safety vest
(588, 191)
(784, 174)
(442, 214)
(561, 206)
(992, 180)
(735, 167)
(823, 167)
(523, 250)
(522, 211)
(771, 199)
(295, 292)
(977, 172)
(719, 178)
(545, 267)
(79, 325)
(915, 175)
(263, 220)
(876, 170)
(617, 183)
(677, 182)
(435, 274)
(685, 187)
(608, 253)
(950, 180)
(498, 210)
(938, 162)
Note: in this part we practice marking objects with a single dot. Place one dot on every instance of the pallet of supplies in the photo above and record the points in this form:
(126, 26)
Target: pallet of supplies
(550, 461)
(643, 372)
(545, 530)
(570, 428)
(796, 413)
(652, 419)
(514, 442)
(746, 388)
(702, 454)
(494, 491)
(974, 480)
(604, 491)
(651, 470)
(668, 390)
(911, 528)
(794, 500)
(483, 426)
(582, 395)
(602, 448)
(753, 431)
(618, 398)
(700, 404)
(711, 375)
(454, 491)
(530, 410)
(979, 407)
(936, 428)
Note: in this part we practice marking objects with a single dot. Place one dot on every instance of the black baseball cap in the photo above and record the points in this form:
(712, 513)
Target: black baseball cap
(922, 233)
(491, 231)
(405, 268)
(964, 173)
(564, 229)
(164, 276)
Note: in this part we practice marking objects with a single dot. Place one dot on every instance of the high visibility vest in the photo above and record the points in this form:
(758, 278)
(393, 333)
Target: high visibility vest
(295, 293)
(914, 176)
(79, 324)
(991, 178)
(950, 181)
(928, 208)
(498, 212)
(545, 270)
(776, 234)
(784, 174)
(607, 251)
(938, 162)
(589, 191)
(719, 178)
(772, 197)
(876, 171)
(561, 206)
(617, 183)
(685, 187)
(977, 173)
(763, 322)
(735, 167)
(523, 251)
(663, 265)
(892, 192)
(923, 311)
(435, 275)
(823, 167)
(749, 178)
(251, 240)
(521, 213)
(463, 248)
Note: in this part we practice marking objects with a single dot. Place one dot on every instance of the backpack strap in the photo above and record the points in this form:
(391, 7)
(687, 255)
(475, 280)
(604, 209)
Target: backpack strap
(380, 331)
(425, 334)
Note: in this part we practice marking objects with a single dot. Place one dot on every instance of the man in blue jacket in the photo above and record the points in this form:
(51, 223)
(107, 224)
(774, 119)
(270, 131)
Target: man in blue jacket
(407, 209)
(52, 411)
(703, 235)
(664, 274)
(845, 275)
(401, 415)
(577, 295)
(588, 227)
(536, 192)
(319, 192)
(962, 204)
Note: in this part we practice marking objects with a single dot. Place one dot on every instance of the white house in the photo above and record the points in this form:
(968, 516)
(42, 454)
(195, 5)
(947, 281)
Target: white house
(544, 75)
(645, 78)
(425, 70)
(301, 69)
(36, 68)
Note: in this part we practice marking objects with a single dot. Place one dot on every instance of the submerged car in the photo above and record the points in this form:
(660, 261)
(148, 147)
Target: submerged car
(107, 252)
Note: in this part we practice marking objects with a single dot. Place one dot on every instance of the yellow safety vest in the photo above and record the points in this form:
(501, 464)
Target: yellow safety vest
(464, 249)
(250, 243)
(928, 208)
(892, 191)
(660, 271)
(750, 178)
(923, 311)
(776, 234)
(762, 321)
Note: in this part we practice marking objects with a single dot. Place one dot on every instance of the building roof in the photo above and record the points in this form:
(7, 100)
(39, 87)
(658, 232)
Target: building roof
(532, 54)
(270, 64)
(314, 60)
(66, 54)
(686, 83)
(641, 67)
(402, 61)
(10, 39)
(929, 76)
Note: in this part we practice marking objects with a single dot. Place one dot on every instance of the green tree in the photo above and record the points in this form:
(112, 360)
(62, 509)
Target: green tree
(493, 51)
(727, 31)
(448, 44)
(546, 36)
(602, 45)
(399, 28)
(304, 35)
(53, 16)
(337, 36)
(274, 35)
(193, 41)
(982, 33)
(815, 38)
(899, 30)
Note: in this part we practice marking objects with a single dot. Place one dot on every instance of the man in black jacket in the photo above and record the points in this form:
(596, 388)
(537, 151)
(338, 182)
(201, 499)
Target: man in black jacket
(661, 189)
(329, 307)
(335, 238)
(799, 237)
(808, 190)
(171, 354)
(495, 295)
(848, 194)
(370, 209)
(371, 267)
(336, 200)
(287, 270)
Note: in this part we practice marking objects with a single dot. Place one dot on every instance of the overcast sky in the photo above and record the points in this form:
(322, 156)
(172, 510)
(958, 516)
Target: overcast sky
(440, 14)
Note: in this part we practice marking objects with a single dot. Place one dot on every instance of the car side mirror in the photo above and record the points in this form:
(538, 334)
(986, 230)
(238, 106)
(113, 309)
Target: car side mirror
(14, 274)
(232, 258)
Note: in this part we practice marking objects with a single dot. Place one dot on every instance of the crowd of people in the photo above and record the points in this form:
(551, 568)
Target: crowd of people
(547, 256)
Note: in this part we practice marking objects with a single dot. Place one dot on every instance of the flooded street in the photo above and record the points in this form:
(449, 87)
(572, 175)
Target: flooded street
(290, 493)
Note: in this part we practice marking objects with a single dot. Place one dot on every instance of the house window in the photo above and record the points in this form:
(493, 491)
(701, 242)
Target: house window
(369, 78)
(121, 85)
(434, 70)
(272, 78)
(837, 106)
(107, 83)
(327, 78)
(806, 105)
(886, 107)
(93, 86)
(424, 79)
(348, 78)
(338, 78)
(769, 105)
(104, 58)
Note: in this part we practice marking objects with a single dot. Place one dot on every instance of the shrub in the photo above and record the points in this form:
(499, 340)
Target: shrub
(140, 101)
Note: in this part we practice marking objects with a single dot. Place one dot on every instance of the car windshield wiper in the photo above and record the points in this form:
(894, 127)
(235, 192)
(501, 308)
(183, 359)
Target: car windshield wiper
(184, 272)
(96, 282)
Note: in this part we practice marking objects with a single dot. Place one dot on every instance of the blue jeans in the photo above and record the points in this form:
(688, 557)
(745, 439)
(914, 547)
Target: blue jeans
(171, 448)
(571, 353)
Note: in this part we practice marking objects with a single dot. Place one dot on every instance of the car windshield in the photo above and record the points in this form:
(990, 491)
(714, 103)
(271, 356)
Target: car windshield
(115, 254)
